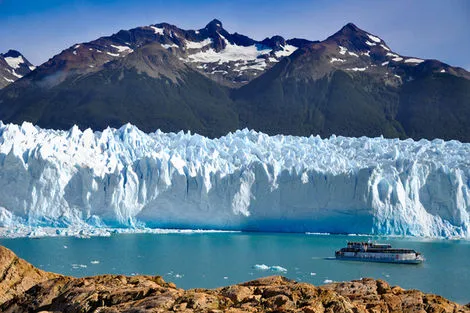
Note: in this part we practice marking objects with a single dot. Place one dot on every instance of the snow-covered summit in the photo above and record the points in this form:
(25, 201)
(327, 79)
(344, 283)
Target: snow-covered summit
(232, 59)
(243, 181)
(13, 65)
(352, 49)
(229, 58)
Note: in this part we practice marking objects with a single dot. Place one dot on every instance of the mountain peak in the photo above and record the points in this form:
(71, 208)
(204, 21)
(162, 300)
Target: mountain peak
(274, 41)
(352, 26)
(214, 24)
(356, 39)
(12, 54)
(13, 66)
(349, 29)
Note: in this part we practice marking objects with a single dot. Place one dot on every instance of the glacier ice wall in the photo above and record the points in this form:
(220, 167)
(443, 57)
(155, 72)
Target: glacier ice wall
(247, 180)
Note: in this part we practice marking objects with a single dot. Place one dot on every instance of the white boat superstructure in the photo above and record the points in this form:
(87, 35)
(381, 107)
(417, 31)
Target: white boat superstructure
(373, 252)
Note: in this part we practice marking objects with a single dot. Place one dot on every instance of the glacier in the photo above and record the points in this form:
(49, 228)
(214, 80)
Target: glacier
(245, 181)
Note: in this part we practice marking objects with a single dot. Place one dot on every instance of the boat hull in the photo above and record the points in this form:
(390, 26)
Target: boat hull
(365, 259)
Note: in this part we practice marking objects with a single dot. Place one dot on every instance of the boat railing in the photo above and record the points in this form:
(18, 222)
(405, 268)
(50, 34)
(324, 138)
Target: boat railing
(372, 250)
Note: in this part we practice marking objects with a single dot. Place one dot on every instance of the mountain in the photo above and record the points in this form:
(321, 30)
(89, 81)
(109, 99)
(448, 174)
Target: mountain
(230, 59)
(247, 181)
(211, 82)
(353, 84)
(149, 87)
(13, 65)
(157, 76)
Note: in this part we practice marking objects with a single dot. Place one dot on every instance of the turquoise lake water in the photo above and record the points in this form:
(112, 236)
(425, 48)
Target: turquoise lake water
(211, 260)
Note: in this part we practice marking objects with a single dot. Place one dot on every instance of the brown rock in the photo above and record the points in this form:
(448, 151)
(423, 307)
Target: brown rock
(236, 293)
(278, 290)
(278, 303)
(17, 275)
(313, 309)
(397, 290)
(201, 301)
(393, 302)
(269, 281)
(383, 287)
(236, 310)
(435, 303)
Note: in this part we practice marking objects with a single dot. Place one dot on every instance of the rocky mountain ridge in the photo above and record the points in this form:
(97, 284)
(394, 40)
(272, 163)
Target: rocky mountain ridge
(353, 84)
(210, 81)
(117, 293)
(229, 59)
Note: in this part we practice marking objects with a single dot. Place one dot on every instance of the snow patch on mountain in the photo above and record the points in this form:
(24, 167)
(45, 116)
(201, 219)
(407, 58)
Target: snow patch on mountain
(198, 45)
(158, 31)
(285, 51)
(259, 65)
(385, 47)
(168, 46)
(390, 54)
(374, 38)
(414, 60)
(14, 62)
(122, 49)
(357, 69)
(243, 181)
(8, 80)
(337, 60)
(230, 53)
(14, 73)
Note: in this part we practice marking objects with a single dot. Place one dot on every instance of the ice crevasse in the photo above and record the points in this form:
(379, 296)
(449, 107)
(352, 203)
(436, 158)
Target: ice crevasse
(124, 178)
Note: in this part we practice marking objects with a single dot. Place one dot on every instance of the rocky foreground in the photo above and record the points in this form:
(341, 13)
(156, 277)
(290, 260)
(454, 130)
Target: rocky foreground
(24, 288)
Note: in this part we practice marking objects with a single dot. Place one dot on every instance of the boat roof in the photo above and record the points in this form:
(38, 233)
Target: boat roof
(372, 244)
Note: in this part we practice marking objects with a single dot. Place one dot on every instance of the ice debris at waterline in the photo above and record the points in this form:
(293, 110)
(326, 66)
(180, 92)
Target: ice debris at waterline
(124, 178)
(274, 268)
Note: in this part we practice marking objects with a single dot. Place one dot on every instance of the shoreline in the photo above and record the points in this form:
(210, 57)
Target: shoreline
(37, 290)
(302, 257)
(37, 232)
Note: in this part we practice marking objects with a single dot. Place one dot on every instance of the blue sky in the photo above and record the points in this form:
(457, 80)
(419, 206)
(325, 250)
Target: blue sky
(428, 29)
